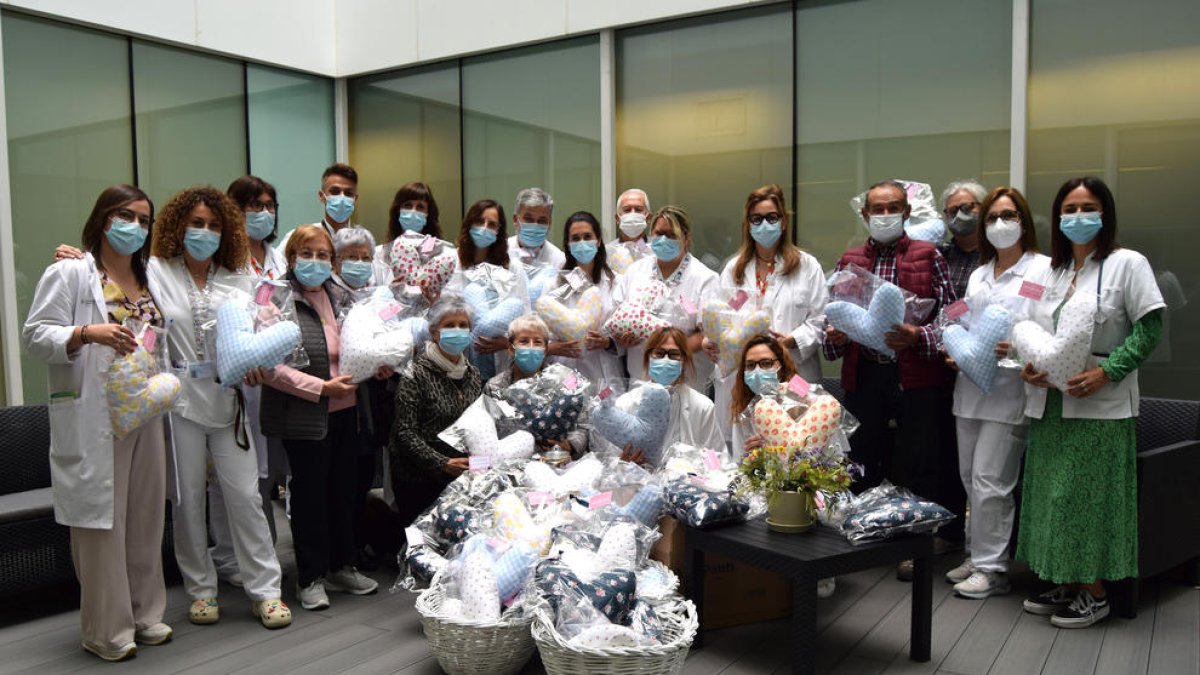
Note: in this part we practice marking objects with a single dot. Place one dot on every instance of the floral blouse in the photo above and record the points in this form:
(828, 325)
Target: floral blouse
(120, 307)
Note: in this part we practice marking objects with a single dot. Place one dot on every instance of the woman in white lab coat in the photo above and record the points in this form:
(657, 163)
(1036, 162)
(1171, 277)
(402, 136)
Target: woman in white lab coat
(413, 209)
(109, 491)
(693, 419)
(781, 278)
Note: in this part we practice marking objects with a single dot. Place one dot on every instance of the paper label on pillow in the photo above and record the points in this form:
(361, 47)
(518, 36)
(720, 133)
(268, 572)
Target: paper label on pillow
(390, 310)
(687, 305)
(539, 498)
(1031, 290)
(957, 309)
(738, 300)
(799, 385)
(149, 339)
(428, 244)
(711, 460)
(571, 382)
(263, 297)
(498, 545)
(414, 536)
(480, 463)
(600, 500)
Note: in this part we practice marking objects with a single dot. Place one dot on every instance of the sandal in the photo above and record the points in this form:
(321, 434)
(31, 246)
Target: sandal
(272, 612)
(204, 611)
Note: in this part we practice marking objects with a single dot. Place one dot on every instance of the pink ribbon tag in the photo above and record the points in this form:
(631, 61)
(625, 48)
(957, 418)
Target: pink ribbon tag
(428, 244)
(498, 545)
(956, 309)
(687, 305)
(149, 339)
(1031, 290)
(571, 382)
(392, 309)
(263, 296)
(711, 460)
(799, 385)
(479, 463)
(605, 393)
(539, 498)
(738, 300)
(600, 500)
(819, 500)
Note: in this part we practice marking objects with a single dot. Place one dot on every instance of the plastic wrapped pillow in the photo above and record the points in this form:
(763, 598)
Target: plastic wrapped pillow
(868, 326)
(1062, 354)
(730, 320)
(137, 389)
(612, 592)
(240, 349)
(374, 335)
(579, 476)
(422, 261)
(974, 349)
(640, 314)
(571, 317)
(886, 511)
(698, 507)
(550, 403)
(814, 429)
(423, 563)
(474, 432)
(646, 506)
(645, 427)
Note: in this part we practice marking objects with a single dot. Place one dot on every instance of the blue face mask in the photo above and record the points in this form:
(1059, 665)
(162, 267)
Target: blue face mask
(665, 249)
(532, 235)
(584, 251)
(483, 237)
(125, 238)
(761, 381)
(1081, 227)
(339, 207)
(357, 272)
(454, 340)
(412, 220)
(201, 244)
(665, 371)
(260, 224)
(312, 273)
(529, 359)
(765, 233)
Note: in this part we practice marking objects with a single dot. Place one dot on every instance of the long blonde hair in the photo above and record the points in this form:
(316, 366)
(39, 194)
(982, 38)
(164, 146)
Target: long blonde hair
(787, 250)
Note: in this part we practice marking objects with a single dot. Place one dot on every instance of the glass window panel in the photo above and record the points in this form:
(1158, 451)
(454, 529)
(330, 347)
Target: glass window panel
(704, 116)
(1113, 93)
(531, 117)
(69, 137)
(191, 119)
(405, 127)
(291, 138)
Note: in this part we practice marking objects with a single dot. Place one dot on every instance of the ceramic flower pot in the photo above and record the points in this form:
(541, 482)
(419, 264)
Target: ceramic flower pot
(791, 512)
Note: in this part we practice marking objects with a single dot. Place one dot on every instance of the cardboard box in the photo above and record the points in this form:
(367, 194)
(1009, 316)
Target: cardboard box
(734, 593)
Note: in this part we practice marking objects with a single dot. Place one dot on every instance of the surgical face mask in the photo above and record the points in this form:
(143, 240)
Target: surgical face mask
(886, 228)
(761, 381)
(126, 238)
(584, 251)
(339, 207)
(665, 371)
(259, 224)
(312, 273)
(454, 340)
(1004, 233)
(665, 249)
(201, 244)
(765, 233)
(964, 223)
(529, 359)
(632, 224)
(412, 220)
(1081, 227)
(357, 272)
(532, 235)
(483, 237)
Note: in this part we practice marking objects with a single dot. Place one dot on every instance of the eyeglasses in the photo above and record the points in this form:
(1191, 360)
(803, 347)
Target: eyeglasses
(771, 218)
(764, 364)
(969, 207)
(323, 256)
(1007, 214)
(131, 217)
(262, 206)
(673, 354)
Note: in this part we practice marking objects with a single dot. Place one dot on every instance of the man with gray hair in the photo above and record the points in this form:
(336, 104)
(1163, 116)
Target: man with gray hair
(960, 209)
(533, 215)
(633, 209)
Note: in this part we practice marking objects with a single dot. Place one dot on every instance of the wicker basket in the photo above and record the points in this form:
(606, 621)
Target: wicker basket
(680, 623)
(471, 647)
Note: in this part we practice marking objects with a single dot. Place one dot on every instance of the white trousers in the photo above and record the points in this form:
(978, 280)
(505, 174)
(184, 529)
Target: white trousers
(989, 462)
(237, 472)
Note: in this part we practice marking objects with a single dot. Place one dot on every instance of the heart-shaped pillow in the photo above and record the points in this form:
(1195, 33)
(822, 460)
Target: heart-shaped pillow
(646, 506)
(974, 350)
(1062, 354)
(491, 317)
(868, 326)
(478, 588)
(608, 636)
(731, 330)
(580, 476)
(550, 421)
(698, 507)
(514, 523)
(646, 428)
(619, 546)
(420, 260)
(612, 592)
(479, 432)
(572, 323)
(239, 348)
(137, 393)
(813, 430)
(634, 315)
(453, 522)
(369, 342)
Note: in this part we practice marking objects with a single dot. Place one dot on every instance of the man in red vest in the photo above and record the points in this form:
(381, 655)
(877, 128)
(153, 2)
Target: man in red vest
(914, 388)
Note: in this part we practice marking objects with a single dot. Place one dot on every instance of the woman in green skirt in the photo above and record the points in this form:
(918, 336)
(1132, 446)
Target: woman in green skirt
(1079, 505)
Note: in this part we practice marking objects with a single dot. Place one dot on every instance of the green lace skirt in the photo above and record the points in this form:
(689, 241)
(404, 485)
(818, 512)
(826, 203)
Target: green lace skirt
(1079, 500)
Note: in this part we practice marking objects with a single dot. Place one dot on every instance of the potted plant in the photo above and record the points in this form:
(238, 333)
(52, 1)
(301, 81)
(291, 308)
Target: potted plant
(789, 477)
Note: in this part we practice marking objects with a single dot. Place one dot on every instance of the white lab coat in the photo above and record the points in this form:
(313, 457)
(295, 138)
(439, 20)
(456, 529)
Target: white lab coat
(548, 255)
(693, 420)
(598, 364)
(274, 263)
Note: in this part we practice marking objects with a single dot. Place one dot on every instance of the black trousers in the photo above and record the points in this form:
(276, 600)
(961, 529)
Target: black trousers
(323, 485)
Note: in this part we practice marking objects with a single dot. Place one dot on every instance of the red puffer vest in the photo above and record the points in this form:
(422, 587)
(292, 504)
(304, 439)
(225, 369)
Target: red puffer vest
(914, 271)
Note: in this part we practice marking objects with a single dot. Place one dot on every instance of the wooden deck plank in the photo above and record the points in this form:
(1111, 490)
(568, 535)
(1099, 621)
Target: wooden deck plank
(1175, 646)
(981, 642)
(1126, 646)
(1075, 652)
(1027, 647)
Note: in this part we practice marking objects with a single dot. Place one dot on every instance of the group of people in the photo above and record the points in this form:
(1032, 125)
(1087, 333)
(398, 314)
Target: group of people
(229, 446)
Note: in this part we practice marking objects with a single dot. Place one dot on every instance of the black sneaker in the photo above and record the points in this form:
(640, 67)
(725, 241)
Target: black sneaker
(1049, 602)
(1083, 611)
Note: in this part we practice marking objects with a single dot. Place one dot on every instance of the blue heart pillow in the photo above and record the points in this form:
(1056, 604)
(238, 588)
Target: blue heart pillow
(240, 349)
(974, 350)
(646, 428)
(868, 326)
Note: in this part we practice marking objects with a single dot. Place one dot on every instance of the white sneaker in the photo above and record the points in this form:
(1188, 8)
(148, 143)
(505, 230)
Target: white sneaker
(959, 574)
(125, 651)
(825, 587)
(313, 596)
(982, 584)
(153, 635)
(349, 580)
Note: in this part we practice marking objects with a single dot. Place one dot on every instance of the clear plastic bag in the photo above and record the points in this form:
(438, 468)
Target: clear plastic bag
(376, 333)
(622, 254)
(799, 414)
(631, 413)
(858, 286)
(649, 308)
(690, 502)
(539, 278)
(924, 221)
(475, 434)
(138, 387)
(572, 308)
(730, 318)
(239, 347)
(550, 404)
(889, 510)
(275, 301)
(422, 261)
(1058, 340)
(970, 330)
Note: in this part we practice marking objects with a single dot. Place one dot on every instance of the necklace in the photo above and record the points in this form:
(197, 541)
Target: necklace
(762, 272)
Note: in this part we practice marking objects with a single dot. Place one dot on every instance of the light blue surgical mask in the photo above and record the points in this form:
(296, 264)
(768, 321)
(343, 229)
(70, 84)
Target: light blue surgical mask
(766, 233)
(584, 251)
(665, 371)
(357, 273)
(761, 381)
(1081, 227)
(201, 243)
(454, 340)
(260, 224)
(339, 207)
(665, 249)
(126, 238)
(312, 273)
(529, 359)
(532, 235)
(412, 220)
(483, 237)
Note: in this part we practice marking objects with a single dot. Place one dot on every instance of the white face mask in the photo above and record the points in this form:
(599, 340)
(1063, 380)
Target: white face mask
(633, 224)
(887, 228)
(1004, 233)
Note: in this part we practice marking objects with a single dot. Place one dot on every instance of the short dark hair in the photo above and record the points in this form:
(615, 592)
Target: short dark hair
(890, 182)
(1029, 241)
(411, 192)
(110, 200)
(338, 169)
(600, 262)
(246, 189)
(1106, 240)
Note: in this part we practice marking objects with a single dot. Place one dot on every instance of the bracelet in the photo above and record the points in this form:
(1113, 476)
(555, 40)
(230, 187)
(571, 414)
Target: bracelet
(83, 339)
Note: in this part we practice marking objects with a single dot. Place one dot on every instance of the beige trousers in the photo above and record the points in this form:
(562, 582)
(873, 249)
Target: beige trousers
(120, 570)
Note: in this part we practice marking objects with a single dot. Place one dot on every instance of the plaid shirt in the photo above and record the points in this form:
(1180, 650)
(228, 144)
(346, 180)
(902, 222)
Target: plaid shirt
(961, 264)
(943, 294)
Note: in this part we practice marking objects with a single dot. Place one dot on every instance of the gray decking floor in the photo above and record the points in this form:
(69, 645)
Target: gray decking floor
(864, 629)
